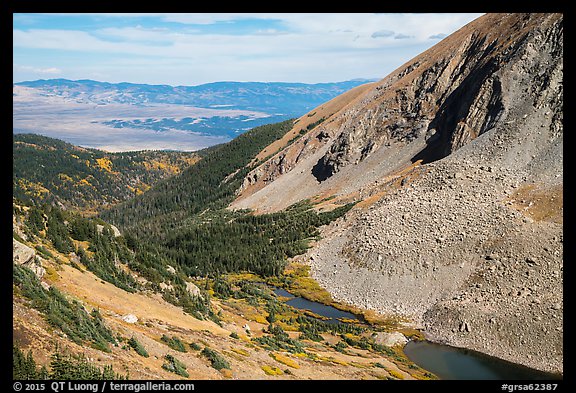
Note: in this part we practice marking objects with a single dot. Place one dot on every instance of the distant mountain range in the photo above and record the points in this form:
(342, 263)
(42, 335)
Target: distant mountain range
(127, 116)
(289, 99)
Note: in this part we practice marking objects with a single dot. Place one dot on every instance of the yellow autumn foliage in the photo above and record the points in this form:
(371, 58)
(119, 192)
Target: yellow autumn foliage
(33, 189)
(240, 351)
(284, 360)
(395, 374)
(84, 182)
(65, 177)
(271, 370)
(105, 164)
(337, 361)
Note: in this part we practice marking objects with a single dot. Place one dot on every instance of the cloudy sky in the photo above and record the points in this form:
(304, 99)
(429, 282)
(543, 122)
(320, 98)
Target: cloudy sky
(191, 49)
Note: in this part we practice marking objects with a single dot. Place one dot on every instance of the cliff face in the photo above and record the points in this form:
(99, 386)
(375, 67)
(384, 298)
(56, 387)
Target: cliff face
(457, 161)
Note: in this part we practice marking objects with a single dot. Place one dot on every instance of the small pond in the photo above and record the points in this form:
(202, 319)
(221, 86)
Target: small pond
(317, 308)
(444, 361)
(462, 364)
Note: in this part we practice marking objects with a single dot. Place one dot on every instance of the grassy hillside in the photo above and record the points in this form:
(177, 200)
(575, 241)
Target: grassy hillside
(53, 171)
(192, 282)
(71, 323)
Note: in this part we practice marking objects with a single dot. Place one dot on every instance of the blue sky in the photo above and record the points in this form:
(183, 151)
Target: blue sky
(191, 49)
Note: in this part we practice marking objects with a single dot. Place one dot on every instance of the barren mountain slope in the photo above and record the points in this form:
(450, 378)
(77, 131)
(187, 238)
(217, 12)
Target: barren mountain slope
(445, 97)
(457, 157)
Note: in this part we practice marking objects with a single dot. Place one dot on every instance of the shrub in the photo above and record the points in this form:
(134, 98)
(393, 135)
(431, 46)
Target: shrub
(138, 347)
(217, 360)
(395, 374)
(66, 367)
(174, 343)
(272, 370)
(284, 360)
(68, 316)
(175, 366)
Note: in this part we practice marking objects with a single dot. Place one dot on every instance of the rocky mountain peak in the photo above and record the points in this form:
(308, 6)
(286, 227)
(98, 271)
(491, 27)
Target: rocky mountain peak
(485, 74)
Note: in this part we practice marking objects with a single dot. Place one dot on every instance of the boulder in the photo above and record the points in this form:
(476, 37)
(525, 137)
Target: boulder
(170, 269)
(21, 253)
(390, 339)
(130, 318)
(193, 290)
(115, 230)
(26, 256)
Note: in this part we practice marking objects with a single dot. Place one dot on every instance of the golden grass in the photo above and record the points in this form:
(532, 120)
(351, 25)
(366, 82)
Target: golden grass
(305, 286)
(51, 274)
(234, 278)
(395, 374)
(413, 334)
(285, 326)
(271, 370)
(249, 312)
(256, 317)
(338, 361)
(85, 244)
(234, 354)
(284, 360)
(240, 351)
(360, 365)
(109, 298)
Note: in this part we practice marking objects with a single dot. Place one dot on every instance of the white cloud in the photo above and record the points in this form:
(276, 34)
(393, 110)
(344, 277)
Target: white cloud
(296, 47)
(382, 33)
(25, 68)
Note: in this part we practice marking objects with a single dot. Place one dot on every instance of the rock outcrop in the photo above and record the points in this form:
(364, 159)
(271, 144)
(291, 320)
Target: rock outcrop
(425, 110)
(26, 256)
(115, 231)
(390, 339)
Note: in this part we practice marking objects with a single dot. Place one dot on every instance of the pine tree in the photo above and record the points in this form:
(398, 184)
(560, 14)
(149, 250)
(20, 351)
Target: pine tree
(23, 366)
